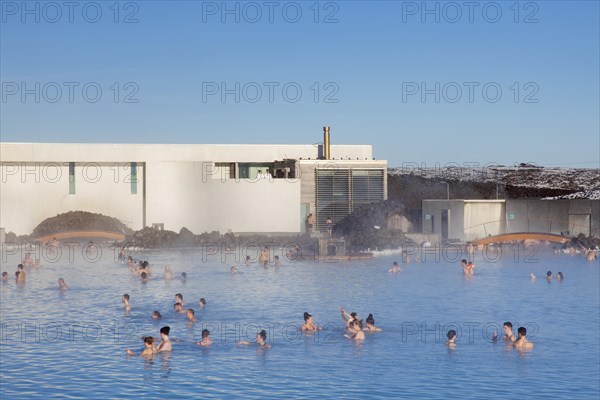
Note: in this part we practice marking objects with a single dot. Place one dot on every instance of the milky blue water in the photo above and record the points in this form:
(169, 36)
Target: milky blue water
(72, 344)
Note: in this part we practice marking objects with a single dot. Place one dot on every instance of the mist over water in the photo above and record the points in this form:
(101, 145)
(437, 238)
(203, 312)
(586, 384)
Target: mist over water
(73, 343)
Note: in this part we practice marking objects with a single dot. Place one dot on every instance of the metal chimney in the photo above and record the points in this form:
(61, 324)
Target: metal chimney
(326, 143)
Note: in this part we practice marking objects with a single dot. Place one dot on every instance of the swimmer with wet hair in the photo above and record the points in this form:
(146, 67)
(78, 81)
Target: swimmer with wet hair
(309, 324)
(149, 349)
(348, 317)
(168, 273)
(206, 340)
(355, 331)
(470, 268)
(549, 275)
(183, 276)
(4, 276)
(125, 300)
(370, 324)
(560, 276)
(201, 302)
(165, 343)
(248, 261)
(233, 270)
(522, 342)
(507, 328)
(277, 261)
(451, 335)
(144, 277)
(178, 308)
(156, 315)
(62, 285)
(261, 340)
(21, 276)
(190, 314)
(395, 267)
(179, 299)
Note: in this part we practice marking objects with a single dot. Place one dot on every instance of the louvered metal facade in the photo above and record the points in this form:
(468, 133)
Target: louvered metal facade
(340, 191)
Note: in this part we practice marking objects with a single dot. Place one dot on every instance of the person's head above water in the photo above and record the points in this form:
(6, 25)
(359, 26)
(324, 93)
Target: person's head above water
(370, 319)
(202, 302)
(205, 333)
(179, 298)
(183, 275)
(165, 330)
(560, 275)
(149, 340)
(307, 316)
(549, 274)
(522, 331)
(156, 315)
(143, 275)
(125, 297)
(451, 334)
(262, 334)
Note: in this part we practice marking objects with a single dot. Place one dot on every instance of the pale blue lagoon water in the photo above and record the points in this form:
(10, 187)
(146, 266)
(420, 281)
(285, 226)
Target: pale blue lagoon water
(72, 345)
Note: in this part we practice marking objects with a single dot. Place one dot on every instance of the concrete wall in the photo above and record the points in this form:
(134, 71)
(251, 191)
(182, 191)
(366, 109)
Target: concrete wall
(32, 192)
(536, 215)
(253, 206)
(483, 218)
(595, 208)
(434, 208)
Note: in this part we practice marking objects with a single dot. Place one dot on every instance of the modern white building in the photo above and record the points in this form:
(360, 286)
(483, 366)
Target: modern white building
(201, 187)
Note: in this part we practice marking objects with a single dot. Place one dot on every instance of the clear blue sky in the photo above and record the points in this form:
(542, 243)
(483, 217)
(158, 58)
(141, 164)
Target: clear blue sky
(373, 57)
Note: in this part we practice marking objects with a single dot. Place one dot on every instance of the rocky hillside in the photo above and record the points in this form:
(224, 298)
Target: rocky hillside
(79, 220)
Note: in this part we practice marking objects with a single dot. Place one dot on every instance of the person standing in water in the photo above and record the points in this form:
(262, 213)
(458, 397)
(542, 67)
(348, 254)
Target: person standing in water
(149, 349)
(165, 343)
(370, 324)
(522, 342)
(168, 273)
(62, 285)
(261, 340)
(206, 340)
(395, 267)
(309, 324)
(125, 300)
(451, 335)
(22, 275)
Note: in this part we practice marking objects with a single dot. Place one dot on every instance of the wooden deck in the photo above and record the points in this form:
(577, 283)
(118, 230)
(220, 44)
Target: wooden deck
(82, 234)
(511, 237)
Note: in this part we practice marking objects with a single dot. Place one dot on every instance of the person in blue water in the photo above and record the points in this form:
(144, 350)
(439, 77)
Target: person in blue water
(522, 342)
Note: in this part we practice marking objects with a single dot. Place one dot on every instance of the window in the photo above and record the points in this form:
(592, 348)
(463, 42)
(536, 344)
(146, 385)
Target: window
(71, 178)
(134, 179)
(224, 169)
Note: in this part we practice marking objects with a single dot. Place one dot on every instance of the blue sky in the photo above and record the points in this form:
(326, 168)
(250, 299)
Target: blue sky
(423, 82)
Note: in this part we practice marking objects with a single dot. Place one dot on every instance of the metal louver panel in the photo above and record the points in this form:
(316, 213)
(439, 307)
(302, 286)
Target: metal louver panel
(341, 191)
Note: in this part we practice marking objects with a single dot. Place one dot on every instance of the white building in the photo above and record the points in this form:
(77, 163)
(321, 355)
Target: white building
(202, 187)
